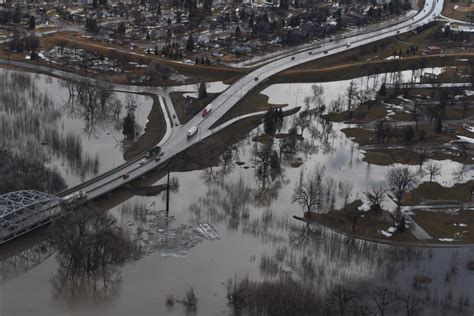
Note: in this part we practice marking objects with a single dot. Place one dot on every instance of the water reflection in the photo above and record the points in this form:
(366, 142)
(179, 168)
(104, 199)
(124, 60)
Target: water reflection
(30, 122)
(90, 249)
(51, 126)
(94, 103)
(276, 264)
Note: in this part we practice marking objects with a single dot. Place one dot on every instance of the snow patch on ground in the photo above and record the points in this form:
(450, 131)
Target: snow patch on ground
(466, 139)
(446, 239)
(386, 234)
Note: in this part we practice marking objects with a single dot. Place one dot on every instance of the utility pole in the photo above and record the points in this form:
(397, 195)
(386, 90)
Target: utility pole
(168, 192)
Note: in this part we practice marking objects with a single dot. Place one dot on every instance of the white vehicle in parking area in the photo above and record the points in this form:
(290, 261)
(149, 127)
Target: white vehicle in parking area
(193, 130)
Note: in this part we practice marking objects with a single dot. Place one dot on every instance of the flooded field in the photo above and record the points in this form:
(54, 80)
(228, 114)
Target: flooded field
(72, 128)
(232, 239)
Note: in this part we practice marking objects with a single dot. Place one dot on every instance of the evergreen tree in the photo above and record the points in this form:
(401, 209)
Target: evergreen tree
(202, 91)
(401, 227)
(269, 125)
(383, 90)
(121, 28)
(190, 44)
(32, 23)
(129, 126)
(237, 31)
(438, 125)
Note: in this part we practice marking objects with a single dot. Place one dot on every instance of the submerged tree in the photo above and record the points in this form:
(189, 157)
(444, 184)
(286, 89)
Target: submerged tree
(433, 170)
(21, 172)
(309, 193)
(90, 246)
(129, 126)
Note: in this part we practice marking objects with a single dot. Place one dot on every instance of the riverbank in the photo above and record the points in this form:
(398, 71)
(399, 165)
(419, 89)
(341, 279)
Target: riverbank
(155, 130)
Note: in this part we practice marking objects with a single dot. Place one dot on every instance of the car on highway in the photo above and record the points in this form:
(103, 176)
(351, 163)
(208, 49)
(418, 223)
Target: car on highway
(157, 158)
(325, 52)
(256, 78)
(292, 58)
(310, 53)
(398, 32)
(142, 161)
(348, 45)
(76, 196)
(192, 131)
(126, 176)
(207, 109)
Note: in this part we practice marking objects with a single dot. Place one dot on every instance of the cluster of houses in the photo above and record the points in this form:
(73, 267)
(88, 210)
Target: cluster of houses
(219, 30)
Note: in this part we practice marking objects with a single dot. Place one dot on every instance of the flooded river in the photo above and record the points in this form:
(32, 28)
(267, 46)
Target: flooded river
(228, 224)
(52, 119)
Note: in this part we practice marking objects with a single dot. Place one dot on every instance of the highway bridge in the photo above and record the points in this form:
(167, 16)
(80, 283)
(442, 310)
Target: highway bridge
(177, 141)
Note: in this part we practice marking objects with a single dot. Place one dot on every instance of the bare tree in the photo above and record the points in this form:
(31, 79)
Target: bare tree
(351, 93)
(376, 196)
(463, 148)
(317, 98)
(302, 121)
(384, 299)
(411, 303)
(289, 143)
(336, 105)
(434, 170)
(310, 192)
(190, 301)
(345, 191)
(90, 246)
(400, 180)
(342, 298)
(264, 157)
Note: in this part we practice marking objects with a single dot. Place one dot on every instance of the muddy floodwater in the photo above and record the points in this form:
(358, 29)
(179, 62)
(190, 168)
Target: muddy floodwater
(227, 223)
(46, 117)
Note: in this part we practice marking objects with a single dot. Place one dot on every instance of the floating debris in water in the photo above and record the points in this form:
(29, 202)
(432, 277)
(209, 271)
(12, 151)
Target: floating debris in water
(156, 234)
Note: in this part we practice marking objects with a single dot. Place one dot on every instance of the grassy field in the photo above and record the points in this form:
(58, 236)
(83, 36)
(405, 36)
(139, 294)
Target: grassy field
(366, 227)
(433, 191)
(155, 129)
(407, 156)
(461, 12)
(186, 108)
(320, 71)
(441, 225)
(361, 114)
(252, 102)
(368, 137)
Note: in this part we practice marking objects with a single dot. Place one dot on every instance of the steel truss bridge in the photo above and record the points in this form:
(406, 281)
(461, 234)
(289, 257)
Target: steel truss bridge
(23, 211)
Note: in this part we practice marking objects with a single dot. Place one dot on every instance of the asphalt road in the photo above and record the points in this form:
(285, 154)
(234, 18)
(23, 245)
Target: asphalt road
(177, 141)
